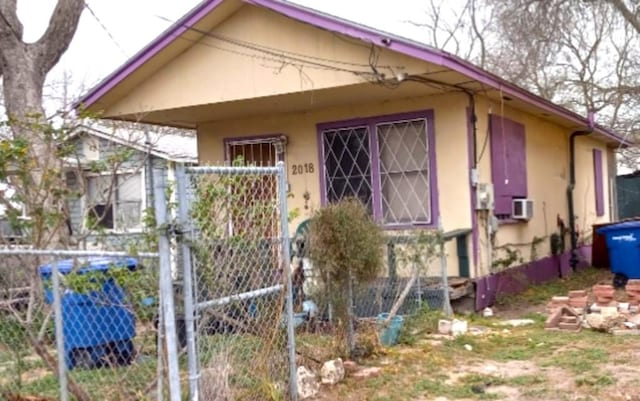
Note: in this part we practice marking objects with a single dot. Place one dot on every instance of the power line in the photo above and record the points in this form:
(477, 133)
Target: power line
(267, 49)
(104, 28)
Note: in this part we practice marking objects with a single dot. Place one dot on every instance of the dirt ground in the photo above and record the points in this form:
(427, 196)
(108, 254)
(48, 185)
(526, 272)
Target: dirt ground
(497, 362)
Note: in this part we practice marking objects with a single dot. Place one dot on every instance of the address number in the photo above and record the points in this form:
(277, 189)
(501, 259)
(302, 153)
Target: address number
(306, 168)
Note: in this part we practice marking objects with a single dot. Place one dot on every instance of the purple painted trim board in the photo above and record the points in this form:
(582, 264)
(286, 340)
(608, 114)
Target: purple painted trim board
(598, 184)
(472, 189)
(375, 172)
(519, 278)
(354, 30)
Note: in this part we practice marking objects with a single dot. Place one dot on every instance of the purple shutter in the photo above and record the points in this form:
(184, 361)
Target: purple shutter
(508, 162)
(597, 174)
(517, 160)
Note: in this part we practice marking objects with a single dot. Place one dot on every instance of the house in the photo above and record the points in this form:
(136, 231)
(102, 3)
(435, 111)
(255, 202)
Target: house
(111, 168)
(423, 137)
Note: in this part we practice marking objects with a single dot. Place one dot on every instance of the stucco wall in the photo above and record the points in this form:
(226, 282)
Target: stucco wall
(302, 147)
(547, 168)
(215, 71)
(547, 147)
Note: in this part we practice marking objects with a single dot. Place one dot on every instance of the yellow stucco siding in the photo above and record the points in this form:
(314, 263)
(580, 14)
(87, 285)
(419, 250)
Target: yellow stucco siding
(302, 147)
(547, 153)
(215, 70)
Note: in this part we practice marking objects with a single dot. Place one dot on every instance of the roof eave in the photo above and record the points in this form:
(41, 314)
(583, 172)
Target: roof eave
(351, 29)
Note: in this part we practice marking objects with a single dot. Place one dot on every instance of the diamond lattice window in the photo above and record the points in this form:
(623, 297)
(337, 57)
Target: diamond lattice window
(385, 164)
(404, 172)
(348, 164)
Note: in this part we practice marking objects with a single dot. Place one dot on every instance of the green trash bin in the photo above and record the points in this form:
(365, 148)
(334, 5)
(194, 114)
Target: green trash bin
(389, 335)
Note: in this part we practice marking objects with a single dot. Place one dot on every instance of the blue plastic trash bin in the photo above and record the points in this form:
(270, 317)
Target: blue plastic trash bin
(389, 335)
(98, 326)
(623, 243)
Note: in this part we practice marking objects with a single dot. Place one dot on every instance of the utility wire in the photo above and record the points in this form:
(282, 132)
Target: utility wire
(104, 28)
(268, 49)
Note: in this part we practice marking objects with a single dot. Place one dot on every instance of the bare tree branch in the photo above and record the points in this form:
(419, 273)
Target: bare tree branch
(626, 13)
(62, 27)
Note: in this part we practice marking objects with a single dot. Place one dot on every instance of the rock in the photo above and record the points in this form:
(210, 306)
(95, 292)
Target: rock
(468, 347)
(367, 372)
(489, 369)
(444, 326)
(598, 321)
(332, 372)
(517, 322)
(624, 332)
(350, 366)
(594, 320)
(308, 385)
(458, 327)
(609, 311)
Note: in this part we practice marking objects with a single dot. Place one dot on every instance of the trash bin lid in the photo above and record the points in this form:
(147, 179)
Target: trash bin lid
(627, 225)
(90, 264)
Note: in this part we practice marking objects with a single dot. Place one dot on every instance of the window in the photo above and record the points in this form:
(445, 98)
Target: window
(115, 201)
(385, 162)
(508, 163)
(598, 185)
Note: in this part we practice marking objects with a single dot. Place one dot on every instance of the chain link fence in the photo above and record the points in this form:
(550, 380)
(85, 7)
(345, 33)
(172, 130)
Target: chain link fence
(235, 251)
(79, 325)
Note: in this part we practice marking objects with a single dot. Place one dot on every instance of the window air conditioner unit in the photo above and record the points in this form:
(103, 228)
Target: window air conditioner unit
(522, 209)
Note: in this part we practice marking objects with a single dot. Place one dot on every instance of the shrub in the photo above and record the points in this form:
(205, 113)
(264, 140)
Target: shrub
(346, 246)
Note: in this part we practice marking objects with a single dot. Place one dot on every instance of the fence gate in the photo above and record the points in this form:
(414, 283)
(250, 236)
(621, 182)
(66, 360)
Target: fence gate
(238, 311)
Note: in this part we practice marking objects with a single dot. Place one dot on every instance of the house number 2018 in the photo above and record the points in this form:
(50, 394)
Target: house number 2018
(306, 168)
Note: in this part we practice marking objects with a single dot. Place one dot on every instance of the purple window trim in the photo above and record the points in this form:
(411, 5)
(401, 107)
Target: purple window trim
(598, 182)
(472, 190)
(370, 122)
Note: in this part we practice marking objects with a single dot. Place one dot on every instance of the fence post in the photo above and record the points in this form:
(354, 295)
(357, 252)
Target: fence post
(286, 262)
(166, 285)
(57, 314)
(187, 277)
(446, 304)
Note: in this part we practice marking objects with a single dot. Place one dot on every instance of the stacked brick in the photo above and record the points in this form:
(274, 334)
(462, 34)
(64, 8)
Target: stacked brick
(578, 300)
(557, 303)
(564, 318)
(633, 292)
(604, 295)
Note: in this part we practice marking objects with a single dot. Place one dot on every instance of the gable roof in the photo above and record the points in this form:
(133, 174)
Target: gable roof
(351, 29)
(173, 147)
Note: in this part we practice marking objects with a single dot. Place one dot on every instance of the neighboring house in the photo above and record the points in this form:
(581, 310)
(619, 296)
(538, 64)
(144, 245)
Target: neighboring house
(414, 132)
(628, 195)
(112, 170)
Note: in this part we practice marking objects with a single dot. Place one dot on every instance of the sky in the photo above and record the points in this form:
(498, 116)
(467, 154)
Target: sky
(120, 28)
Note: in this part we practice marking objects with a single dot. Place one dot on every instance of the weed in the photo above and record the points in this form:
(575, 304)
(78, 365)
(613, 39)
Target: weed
(422, 321)
(578, 360)
(541, 293)
(595, 380)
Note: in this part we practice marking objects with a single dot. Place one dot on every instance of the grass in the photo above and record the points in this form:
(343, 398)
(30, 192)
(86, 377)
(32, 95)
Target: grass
(555, 365)
(542, 293)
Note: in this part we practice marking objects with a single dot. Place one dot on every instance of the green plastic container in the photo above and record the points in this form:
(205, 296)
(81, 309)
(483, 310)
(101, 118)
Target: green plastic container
(389, 335)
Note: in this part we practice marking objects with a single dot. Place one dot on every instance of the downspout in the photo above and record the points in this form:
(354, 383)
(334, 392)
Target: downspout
(473, 178)
(573, 260)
